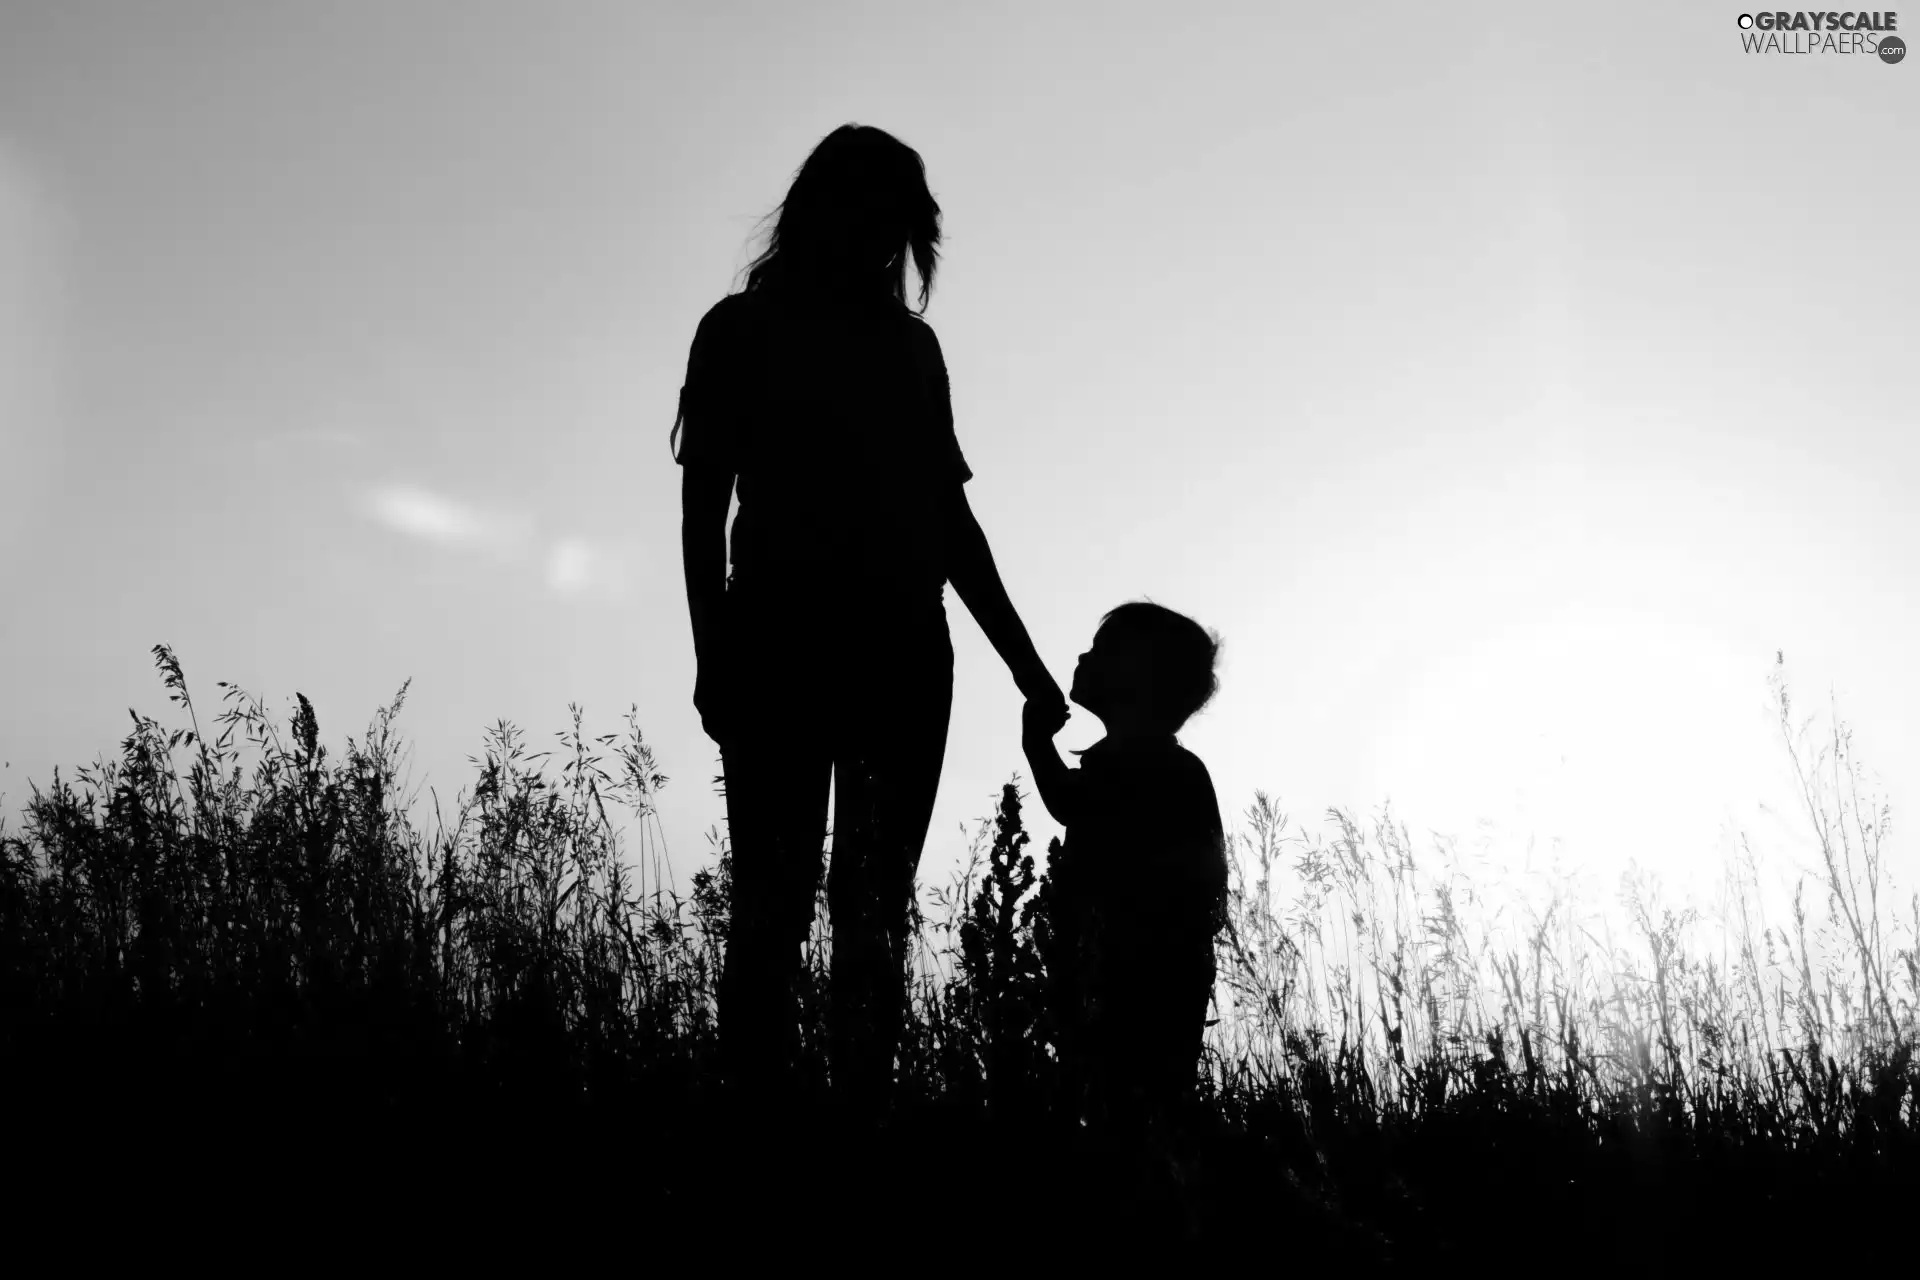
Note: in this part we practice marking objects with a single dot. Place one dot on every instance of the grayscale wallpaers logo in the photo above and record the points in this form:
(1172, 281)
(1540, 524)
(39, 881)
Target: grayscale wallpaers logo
(1848, 33)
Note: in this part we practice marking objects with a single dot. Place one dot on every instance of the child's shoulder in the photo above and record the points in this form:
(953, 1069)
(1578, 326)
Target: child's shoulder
(1162, 751)
(1190, 764)
(1183, 753)
(1163, 764)
(1186, 789)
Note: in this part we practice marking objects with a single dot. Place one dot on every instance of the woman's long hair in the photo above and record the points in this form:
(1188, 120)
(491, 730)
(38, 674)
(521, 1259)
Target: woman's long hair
(858, 180)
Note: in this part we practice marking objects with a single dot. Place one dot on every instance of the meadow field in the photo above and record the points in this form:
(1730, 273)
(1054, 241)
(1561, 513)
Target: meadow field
(272, 987)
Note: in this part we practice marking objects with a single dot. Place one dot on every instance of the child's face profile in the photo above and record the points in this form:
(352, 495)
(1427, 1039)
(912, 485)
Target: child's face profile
(1112, 672)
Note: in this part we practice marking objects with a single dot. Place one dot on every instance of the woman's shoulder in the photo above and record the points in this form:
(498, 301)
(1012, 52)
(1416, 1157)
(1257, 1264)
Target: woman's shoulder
(723, 322)
(737, 327)
(925, 342)
(733, 310)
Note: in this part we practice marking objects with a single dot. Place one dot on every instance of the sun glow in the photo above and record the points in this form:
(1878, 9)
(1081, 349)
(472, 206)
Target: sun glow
(1602, 734)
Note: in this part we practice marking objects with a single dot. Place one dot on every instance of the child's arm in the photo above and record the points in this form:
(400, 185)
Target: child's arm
(1057, 784)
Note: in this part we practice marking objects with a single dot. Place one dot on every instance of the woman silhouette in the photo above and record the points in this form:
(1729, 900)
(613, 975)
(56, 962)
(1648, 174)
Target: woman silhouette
(824, 656)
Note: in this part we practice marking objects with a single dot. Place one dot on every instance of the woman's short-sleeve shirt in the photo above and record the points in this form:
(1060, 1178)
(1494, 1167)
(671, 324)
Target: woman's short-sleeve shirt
(838, 424)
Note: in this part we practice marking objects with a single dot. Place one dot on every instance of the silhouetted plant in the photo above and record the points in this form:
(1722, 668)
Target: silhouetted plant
(1002, 984)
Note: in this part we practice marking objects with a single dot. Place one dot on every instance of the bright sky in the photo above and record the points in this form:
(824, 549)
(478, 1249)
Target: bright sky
(1505, 384)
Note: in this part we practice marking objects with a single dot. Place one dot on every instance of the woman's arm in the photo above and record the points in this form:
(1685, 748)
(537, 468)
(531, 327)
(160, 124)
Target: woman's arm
(705, 492)
(977, 580)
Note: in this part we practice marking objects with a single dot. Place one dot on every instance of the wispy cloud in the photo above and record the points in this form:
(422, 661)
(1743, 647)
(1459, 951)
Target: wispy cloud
(574, 567)
(431, 517)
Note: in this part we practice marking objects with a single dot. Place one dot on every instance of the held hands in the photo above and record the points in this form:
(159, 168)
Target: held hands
(1046, 712)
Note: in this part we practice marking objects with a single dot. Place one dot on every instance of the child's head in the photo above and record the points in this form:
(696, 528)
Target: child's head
(1150, 664)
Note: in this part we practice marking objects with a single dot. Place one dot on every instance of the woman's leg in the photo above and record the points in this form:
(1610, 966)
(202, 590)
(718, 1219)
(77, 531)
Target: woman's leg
(777, 774)
(886, 773)
(776, 819)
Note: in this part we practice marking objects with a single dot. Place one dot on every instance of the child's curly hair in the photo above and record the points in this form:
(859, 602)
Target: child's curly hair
(1181, 654)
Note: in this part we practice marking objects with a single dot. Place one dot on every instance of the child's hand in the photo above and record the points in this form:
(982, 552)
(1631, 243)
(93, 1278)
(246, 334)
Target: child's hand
(1040, 719)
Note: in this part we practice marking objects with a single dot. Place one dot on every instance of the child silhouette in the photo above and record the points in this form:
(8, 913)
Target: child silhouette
(1139, 883)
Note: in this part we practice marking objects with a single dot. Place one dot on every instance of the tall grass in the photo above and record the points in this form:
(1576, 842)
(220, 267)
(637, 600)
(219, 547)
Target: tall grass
(1374, 952)
(284, 953)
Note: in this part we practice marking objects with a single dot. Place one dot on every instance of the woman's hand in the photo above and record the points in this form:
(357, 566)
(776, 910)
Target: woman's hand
(712, 698)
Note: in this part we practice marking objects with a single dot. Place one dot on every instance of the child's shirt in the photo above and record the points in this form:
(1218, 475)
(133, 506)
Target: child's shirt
(1146, 859)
